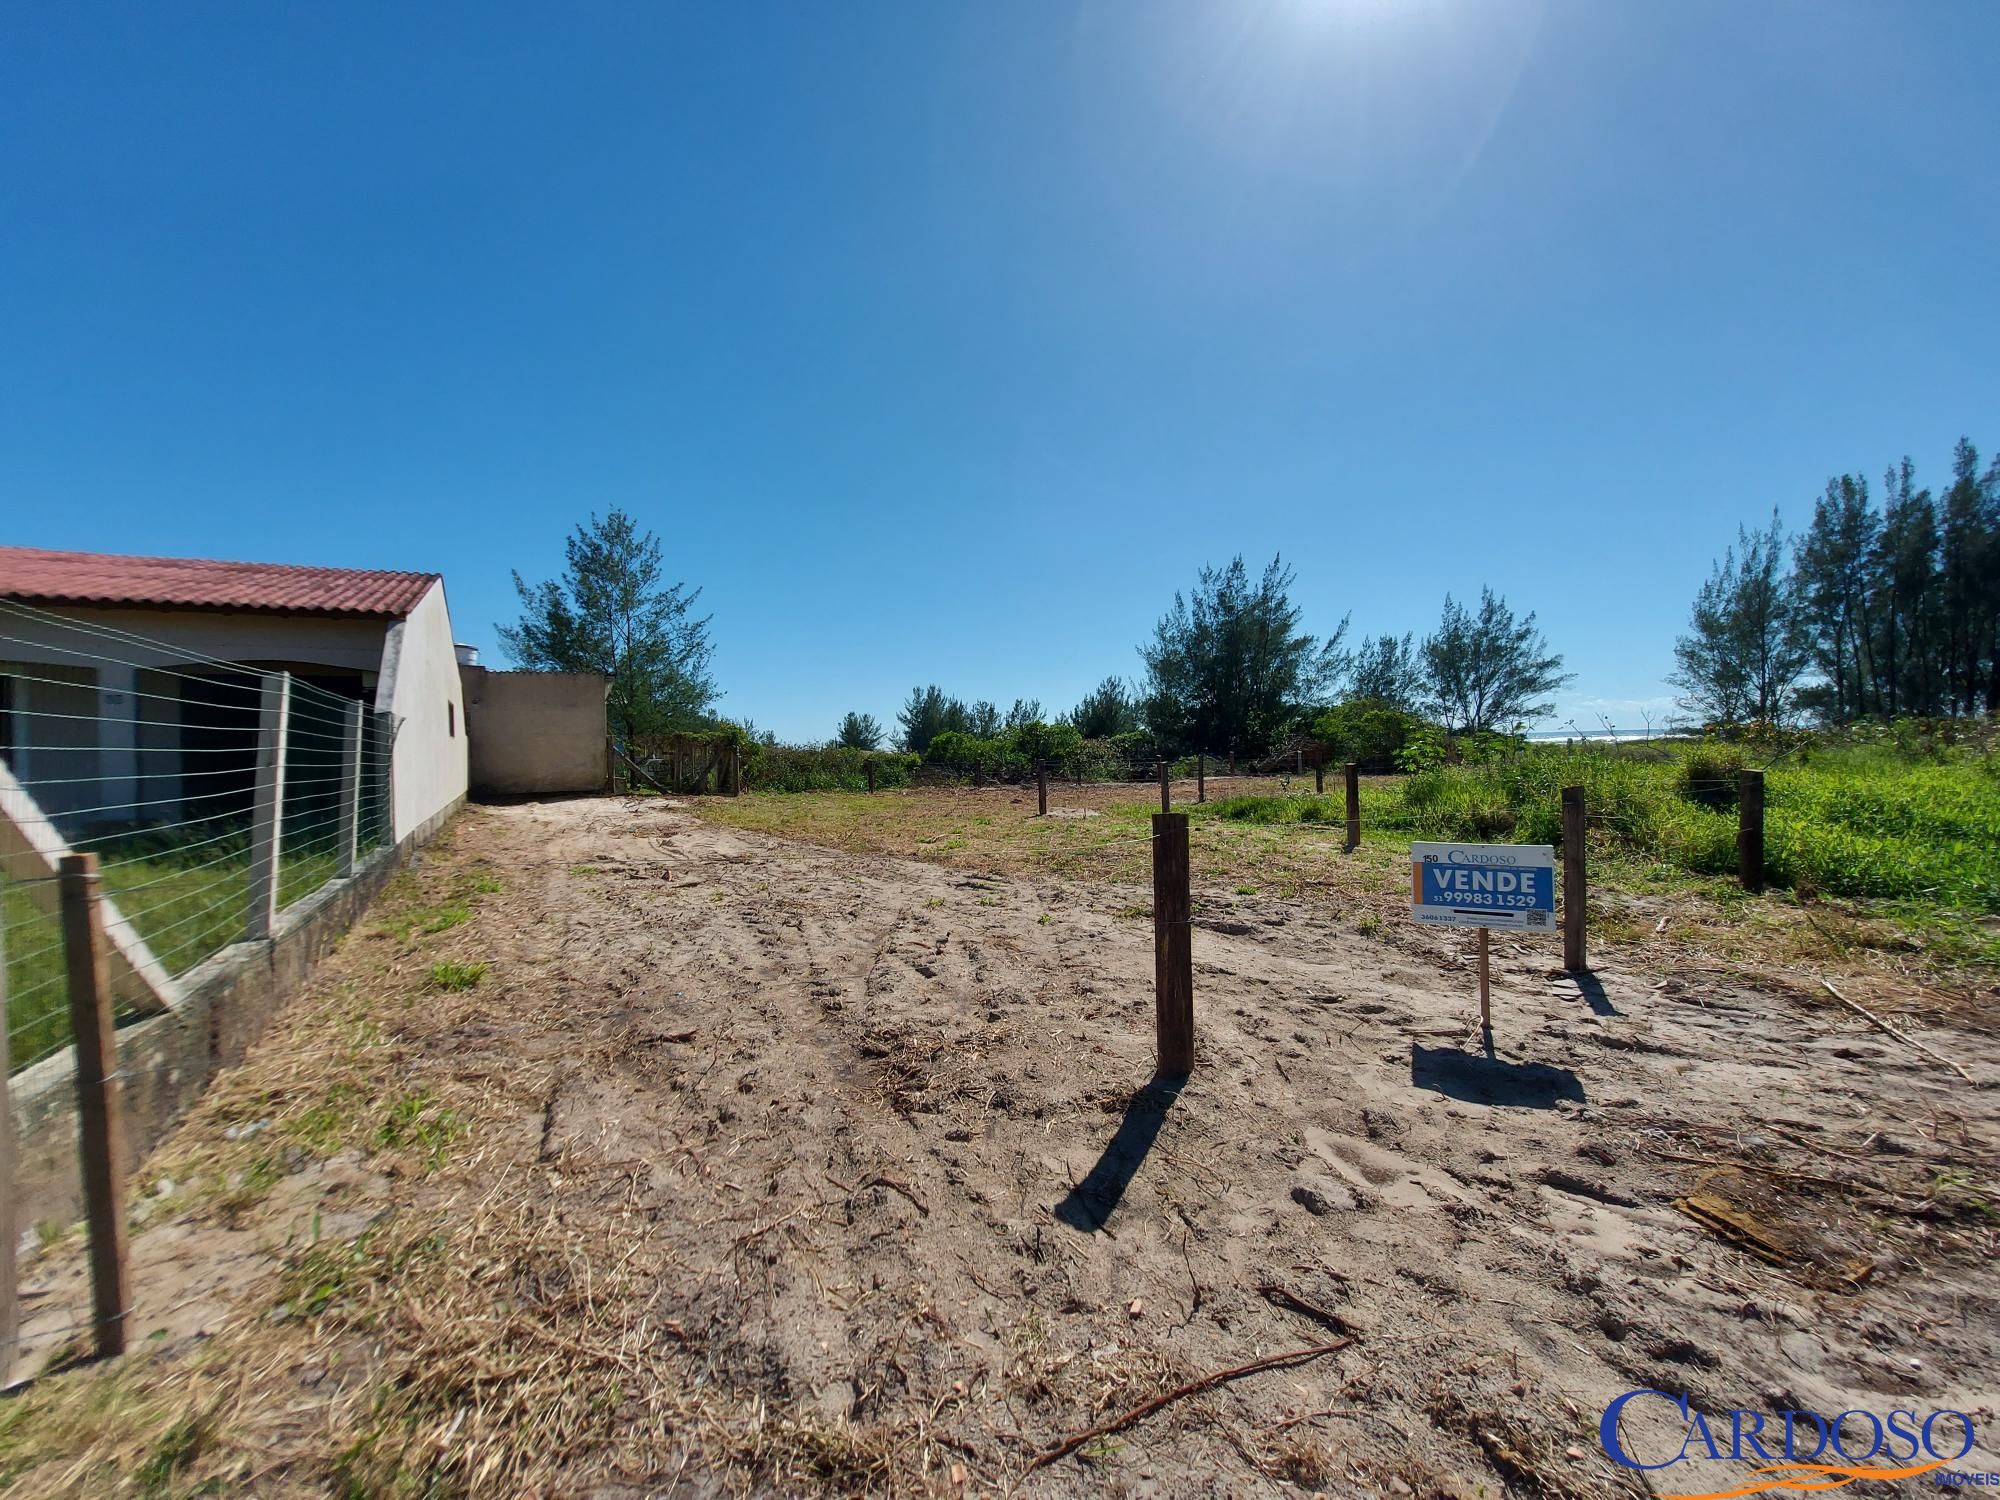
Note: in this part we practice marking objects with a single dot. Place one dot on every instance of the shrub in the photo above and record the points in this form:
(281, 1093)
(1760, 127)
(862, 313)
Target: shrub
(1096, 760)
(786, 768)
(968, 754)
(1136, 751)
(1369, 731)
(1053, 744)
(1708, 773)
(1425, 748)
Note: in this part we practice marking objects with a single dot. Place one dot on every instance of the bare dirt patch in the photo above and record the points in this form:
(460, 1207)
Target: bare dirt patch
(753, 1164)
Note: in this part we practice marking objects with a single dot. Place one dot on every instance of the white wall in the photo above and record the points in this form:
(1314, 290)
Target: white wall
(419, 684)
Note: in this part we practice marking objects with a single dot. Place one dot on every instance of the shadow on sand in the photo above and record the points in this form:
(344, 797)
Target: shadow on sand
(1091, 1201)
(1486, 1079)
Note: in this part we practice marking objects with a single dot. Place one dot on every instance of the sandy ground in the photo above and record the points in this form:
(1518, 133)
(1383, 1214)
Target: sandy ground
(887, 1131)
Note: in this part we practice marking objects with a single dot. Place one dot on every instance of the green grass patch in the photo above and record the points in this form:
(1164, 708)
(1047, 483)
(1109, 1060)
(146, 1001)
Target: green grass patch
(427, 919)
(419, 1122)
(450, 974)
(325, 1127)
(187, 904)
(1861, 823)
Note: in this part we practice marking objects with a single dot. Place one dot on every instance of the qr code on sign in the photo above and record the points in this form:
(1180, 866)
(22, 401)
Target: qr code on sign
(1539, 918)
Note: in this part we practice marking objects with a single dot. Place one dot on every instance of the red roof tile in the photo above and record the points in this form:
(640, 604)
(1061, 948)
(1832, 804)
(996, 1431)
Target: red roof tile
(33, 576)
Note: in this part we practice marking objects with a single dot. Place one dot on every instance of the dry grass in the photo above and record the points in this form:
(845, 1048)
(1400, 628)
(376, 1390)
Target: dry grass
(1096, 832)
(1644, 912)
(495, 1328)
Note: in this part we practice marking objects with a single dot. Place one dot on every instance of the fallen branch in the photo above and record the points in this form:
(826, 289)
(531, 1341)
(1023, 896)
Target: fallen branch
(1145, 1409)
(1272, 1292)
(1907, 1041)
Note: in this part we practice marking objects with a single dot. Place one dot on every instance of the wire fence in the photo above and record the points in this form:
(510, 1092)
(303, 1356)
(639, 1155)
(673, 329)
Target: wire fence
(201, 785)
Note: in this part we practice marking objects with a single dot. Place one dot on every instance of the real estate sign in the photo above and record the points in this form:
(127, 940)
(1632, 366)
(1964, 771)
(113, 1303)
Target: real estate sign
(1484, 885)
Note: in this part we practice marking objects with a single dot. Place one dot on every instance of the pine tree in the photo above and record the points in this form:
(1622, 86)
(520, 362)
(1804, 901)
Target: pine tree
(1106, 710)
(927, 714)
(611, 612)
(1832, 586)
(1229, 669)
(1488, 670)
(1390, 670)
(859, 732)
(1747, 646)
(1908, 615)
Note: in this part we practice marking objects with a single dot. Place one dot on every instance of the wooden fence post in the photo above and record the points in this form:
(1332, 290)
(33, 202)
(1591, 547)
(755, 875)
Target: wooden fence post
(870, 767)
(10, 1309)
(1353, 772)
(100, 1100)
(1576, 893)
(1173, 956)
(267, 819)
(1200, 777)
(1319, 778)
(1750, 830)
(350, 790)
(735, 769)
(1042, 787)
(1165, 768)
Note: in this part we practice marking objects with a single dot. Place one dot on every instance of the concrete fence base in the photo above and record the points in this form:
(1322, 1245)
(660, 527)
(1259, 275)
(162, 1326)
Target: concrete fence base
(221, 1008)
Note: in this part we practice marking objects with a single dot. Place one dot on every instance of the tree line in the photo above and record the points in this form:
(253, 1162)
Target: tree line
(1887, 605)
(1230, 670)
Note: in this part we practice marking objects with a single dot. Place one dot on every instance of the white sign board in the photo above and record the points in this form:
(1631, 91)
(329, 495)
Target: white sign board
(1484, 885)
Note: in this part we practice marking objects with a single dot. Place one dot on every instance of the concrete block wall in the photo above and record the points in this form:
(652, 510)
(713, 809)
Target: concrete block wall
(536, 733)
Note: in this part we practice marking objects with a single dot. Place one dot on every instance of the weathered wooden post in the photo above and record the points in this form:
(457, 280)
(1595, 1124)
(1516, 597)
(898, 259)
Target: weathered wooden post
(350, 790)
(1485, 990)
(1750, 830)
(100, 1100)
(1576, 896)
(1319, 778)
(1165, 769)
(735, 769)
(1173, 956)
(1298, 760)
(1200, 777)
(274, 714)
(1353, 771)
(869, 766)
(1042, 788)
(9, 1231)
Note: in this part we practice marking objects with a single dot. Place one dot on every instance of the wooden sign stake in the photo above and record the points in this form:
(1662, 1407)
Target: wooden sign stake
(1485, 997)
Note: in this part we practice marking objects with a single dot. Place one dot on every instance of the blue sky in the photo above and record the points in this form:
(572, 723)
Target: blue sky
(944, 342)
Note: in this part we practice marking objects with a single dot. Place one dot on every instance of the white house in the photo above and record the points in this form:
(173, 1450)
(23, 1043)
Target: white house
(87, 698)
